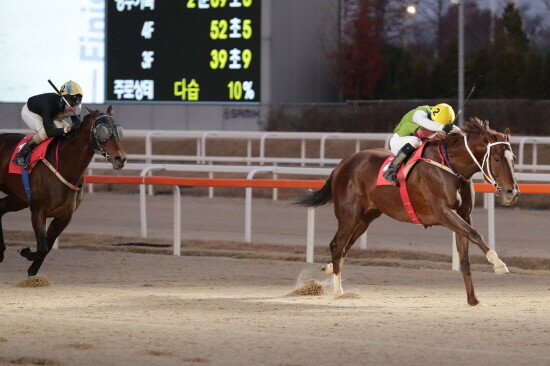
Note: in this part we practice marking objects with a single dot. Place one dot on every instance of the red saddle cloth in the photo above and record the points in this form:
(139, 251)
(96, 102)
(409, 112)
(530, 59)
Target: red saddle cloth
(402, 174)
(38, 153)
(381, 181)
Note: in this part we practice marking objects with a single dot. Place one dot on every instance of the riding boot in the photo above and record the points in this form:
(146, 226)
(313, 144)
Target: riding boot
(21, 157)
(402, 156)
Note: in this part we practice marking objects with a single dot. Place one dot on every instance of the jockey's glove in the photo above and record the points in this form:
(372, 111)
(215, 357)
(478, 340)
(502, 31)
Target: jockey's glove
(447, 128)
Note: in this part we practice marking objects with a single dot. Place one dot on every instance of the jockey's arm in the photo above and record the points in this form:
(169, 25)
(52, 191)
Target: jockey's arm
(421, 118)
(49, 125)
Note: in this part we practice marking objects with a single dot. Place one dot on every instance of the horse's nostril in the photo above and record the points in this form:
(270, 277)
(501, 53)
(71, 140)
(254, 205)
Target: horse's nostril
(513, 194)
(119, 161)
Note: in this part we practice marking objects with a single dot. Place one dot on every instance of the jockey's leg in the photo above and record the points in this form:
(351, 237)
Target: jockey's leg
(402, 156)
(36, 123)
(24, 153)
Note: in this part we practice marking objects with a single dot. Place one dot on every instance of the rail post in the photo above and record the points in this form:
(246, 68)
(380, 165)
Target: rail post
(310, 238)
(491, 219)
(248, 203)
(143, 198)
(456, 259)
(177, 220)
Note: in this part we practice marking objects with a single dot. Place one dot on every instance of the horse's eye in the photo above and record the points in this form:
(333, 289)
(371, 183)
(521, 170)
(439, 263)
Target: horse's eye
(103, 133)
(497, 159)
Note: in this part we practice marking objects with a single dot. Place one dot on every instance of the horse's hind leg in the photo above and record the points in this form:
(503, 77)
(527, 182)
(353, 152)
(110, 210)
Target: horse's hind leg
(349, 229)
(8, 204)
(55, 229)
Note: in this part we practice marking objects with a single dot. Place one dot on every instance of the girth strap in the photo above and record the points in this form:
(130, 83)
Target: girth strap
(403, 191)
(406, 199)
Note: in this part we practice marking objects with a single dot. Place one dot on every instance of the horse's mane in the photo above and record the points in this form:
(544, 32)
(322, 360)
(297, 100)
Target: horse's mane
(474, 126)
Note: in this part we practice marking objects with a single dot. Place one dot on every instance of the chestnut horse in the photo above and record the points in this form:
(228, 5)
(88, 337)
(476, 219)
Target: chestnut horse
(438, 196)
(51, 197)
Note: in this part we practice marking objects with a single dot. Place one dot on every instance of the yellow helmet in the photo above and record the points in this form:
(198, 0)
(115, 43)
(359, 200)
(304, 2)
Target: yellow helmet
(71, 88)
(442, 113)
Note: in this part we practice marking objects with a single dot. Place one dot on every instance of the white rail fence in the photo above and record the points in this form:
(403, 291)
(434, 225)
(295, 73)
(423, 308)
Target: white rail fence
(206, 163)
(252, 171)
(202, 137)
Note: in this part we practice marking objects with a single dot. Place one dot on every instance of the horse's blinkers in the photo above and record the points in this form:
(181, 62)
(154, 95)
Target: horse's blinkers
(103, 131)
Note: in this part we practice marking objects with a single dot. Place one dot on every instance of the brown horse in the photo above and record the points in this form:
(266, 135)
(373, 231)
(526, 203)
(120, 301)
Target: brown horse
(50, 196)
(438, 197)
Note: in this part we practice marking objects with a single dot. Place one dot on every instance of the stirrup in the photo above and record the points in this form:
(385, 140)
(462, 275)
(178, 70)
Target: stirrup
(391, 177)
(20, 161)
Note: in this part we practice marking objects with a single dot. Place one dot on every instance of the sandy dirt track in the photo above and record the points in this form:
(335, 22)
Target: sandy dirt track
(116, 308)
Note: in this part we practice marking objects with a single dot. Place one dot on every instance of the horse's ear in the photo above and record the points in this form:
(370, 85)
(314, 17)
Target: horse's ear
(90, 111)
(110, 110)
(507, 133)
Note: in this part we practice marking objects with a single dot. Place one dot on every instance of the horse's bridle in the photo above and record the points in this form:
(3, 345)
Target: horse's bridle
(486, 161)
(103, 128)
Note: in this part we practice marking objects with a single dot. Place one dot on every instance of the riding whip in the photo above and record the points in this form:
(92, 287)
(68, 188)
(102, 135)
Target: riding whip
(468, 97)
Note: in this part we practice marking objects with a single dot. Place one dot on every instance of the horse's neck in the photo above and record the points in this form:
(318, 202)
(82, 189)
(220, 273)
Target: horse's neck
(461, 160)
(75, 154)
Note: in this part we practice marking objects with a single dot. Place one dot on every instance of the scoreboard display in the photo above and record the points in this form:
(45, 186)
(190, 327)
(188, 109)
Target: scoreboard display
(183, 51)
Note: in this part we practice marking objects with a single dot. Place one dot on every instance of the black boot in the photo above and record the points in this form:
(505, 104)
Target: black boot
(21, 157)
(402, 156)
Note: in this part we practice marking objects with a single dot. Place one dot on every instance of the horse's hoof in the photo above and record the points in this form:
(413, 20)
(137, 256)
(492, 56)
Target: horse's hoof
(501, 270)
(338, 292)
(473, 302)
(1, 257)
(24, 252)
(327, 268)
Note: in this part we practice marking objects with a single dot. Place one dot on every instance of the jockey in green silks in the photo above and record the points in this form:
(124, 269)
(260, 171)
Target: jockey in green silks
(420, 123)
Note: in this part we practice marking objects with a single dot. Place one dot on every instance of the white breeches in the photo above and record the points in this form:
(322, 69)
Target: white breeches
(36, 123)
(397, 142)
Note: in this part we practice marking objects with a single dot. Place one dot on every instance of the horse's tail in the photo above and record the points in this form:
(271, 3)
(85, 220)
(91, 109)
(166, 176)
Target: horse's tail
(317, 198)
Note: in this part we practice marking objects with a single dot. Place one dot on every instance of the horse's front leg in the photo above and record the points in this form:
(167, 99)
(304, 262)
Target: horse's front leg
(462, 247)
(55, 229)
(452, 220)
(38, 218)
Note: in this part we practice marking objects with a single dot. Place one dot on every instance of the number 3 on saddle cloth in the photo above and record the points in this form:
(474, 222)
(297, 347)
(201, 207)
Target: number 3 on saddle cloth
(402, 174)
(37, 154)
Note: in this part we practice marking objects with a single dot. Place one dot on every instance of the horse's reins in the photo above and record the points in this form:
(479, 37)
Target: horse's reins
(447, 164)
(486, 162)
